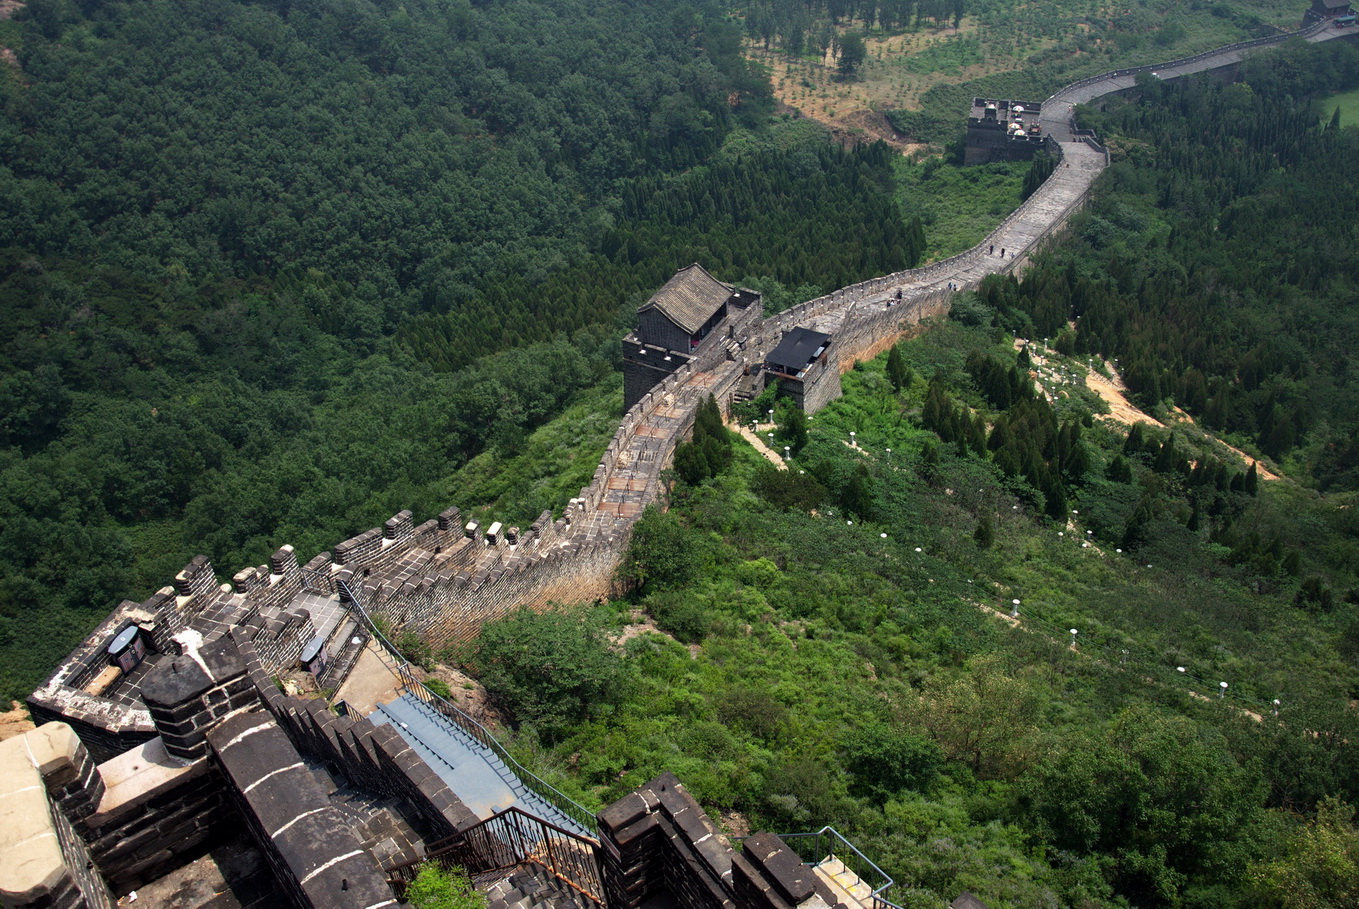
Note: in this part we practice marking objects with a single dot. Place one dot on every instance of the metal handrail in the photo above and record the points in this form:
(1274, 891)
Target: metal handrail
(510, 838)
(568, 806)
(862, 867)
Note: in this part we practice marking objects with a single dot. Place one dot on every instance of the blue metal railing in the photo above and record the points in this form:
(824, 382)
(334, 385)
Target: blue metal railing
(563, 803)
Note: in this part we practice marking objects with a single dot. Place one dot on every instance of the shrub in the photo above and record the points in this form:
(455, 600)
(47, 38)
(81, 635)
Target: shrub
(439, 888)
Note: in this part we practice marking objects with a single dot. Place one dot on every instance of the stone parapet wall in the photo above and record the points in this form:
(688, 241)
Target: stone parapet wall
(44, 864)
(374, 757)
(312, 850)
(157, 813)
(658, 841)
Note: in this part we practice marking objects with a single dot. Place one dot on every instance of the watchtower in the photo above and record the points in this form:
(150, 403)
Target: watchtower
(673, 325)
(802, 366)
(1326, 9)
(1002, 130)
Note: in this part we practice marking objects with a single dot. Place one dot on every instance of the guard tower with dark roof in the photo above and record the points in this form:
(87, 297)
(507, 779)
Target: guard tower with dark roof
(675, 326)
(1326, 9)
(802, 366)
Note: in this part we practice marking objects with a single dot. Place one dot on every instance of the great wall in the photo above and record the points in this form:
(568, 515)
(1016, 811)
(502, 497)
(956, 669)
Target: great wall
(166, 725)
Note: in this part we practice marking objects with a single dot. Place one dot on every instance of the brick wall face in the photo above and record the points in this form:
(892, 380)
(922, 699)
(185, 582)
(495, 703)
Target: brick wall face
(160, 831)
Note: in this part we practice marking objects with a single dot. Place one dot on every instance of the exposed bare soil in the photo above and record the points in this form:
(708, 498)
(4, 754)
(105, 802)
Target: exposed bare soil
(9, 8)
(15, 721)
(468, 695)
(1111, 391)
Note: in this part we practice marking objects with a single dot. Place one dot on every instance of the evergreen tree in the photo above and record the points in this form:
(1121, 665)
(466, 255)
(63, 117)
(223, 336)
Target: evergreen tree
(985, 534)
(792, 428)
(1119, 470)
(853, 52)
(898, 373)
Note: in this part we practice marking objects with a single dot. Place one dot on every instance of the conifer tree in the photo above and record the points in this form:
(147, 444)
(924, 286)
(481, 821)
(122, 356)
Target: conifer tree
(985, 534)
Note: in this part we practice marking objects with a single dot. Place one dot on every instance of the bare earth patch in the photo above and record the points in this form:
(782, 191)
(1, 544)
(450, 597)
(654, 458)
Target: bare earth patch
(15, 721)
(1111, 391)
(468, 695)
(9, 8)
(643, 624)
(734, 823)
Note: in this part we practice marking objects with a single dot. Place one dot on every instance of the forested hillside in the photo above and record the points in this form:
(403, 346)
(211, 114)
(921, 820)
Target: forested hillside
(273, 272)
(1005, 643)
(1218, 264)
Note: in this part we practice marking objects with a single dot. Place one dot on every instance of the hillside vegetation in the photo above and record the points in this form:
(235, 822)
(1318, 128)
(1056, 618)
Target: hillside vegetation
(986, 634)
(847, 62)
(271, 273)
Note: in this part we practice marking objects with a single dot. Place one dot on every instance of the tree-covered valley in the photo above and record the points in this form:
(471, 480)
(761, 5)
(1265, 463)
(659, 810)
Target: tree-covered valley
(273, 272)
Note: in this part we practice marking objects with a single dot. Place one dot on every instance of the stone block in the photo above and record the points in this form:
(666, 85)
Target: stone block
(173, 685)
(773, 860)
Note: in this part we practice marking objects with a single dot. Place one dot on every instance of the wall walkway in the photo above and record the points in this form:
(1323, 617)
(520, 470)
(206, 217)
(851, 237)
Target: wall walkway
(588, 544)
(442, 579)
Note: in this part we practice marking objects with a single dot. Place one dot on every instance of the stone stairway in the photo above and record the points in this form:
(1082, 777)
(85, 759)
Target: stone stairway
(347, 644)
(848, 887)
(529, 886)
(474, 773)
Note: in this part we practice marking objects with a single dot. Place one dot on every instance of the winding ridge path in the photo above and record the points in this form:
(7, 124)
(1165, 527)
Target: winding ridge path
(421, 589)
(856, 314)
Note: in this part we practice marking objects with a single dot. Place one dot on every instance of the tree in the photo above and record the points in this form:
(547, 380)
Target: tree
(985, 718)
(853, 52)
(708, 453)
(898, 373)
(1158, 792)
(550, 670)
(1320, 869)
(661, 553)
(886, 759)
(985, 534)
(792, 428)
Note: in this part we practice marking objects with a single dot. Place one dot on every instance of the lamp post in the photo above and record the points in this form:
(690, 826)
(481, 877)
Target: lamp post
(1073, 639)
(1222, 692)
(1014, 609)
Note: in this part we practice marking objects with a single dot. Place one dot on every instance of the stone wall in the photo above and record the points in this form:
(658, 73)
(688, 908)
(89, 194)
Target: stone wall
(312, 850)
(374, 757)
(658, 840)
(157, 814)
(443, 580)
(44, 864)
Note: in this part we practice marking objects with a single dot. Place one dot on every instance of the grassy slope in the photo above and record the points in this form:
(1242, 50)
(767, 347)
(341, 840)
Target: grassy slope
(1348, 102)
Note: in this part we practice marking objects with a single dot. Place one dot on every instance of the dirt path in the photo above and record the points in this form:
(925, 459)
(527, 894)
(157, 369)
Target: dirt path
(1113, 393)
(759, 444)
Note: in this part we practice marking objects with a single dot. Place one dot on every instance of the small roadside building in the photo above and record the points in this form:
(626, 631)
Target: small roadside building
(802, 366)
(673, 325)
(1322, 10)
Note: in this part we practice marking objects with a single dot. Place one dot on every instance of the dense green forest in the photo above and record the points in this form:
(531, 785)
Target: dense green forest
(1217, 265)
(987, 635)
(272, 273)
